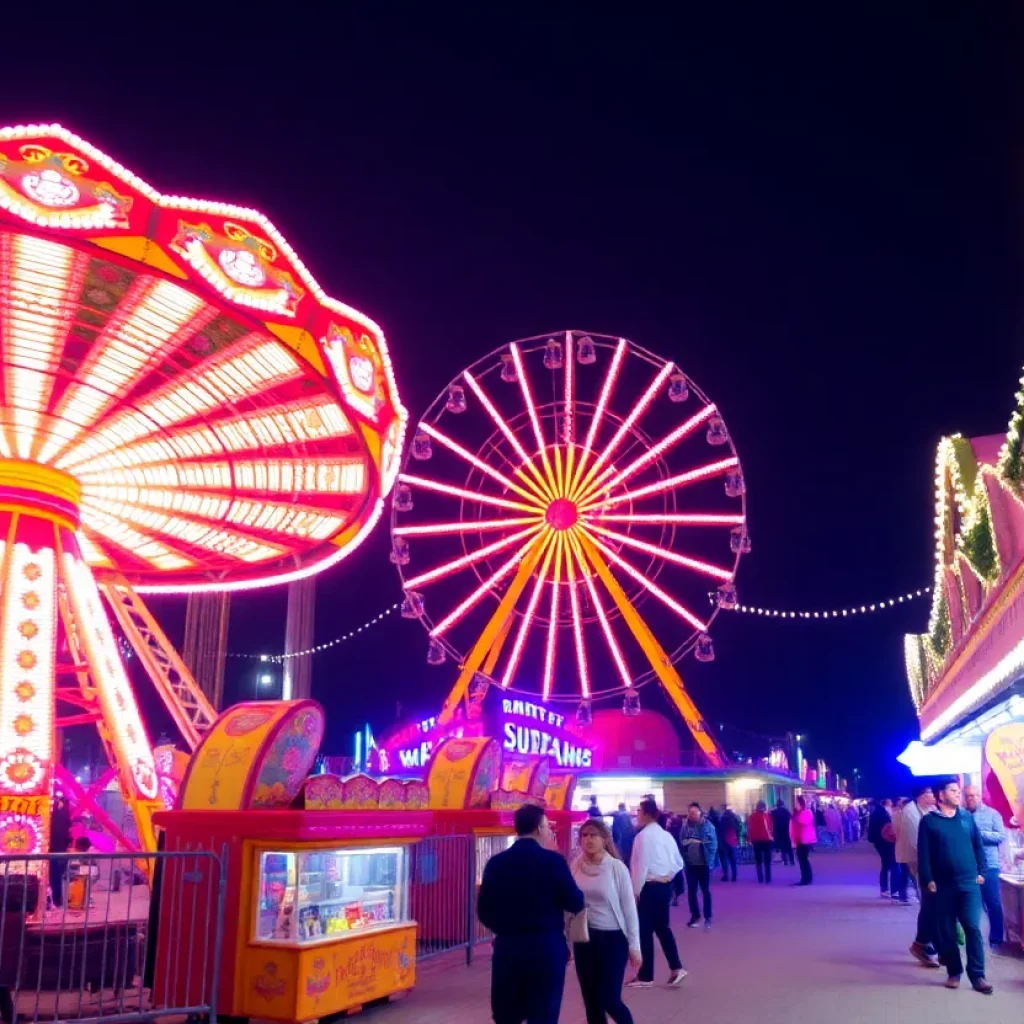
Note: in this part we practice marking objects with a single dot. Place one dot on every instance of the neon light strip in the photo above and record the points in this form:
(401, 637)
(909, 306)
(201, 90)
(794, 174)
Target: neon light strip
(679, 480)
(460, 492)
(653, 549)
(549, 654)
(471, 559)
(531, 611)
(152, 320)
(36, 317)
(602, 404)
(683, 430)
(577, 628)
(479, 526)
(650, 585)
(527, 463)
(606, 628)
(120, 712)
(671, 519)
(637, 411)
(27, 654)
(531, 411)
(531, 495)
(570, 392)
(446, 623)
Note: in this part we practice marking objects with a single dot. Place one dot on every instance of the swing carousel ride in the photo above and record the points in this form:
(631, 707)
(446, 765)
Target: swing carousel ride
(182, 408)
(559, 506)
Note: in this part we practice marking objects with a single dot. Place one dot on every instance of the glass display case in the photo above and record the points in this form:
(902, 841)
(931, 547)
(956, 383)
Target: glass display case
(310, 895)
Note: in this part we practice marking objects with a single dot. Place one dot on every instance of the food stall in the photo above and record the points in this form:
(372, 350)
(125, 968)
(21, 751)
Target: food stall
(316, 902)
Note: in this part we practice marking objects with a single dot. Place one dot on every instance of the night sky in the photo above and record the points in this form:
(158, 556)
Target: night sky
(818, 219)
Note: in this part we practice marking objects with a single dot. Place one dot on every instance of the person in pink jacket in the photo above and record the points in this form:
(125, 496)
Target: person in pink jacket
(804, 837)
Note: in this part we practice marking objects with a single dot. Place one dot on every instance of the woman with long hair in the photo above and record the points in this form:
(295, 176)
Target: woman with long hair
(612, 924)
(805, 834)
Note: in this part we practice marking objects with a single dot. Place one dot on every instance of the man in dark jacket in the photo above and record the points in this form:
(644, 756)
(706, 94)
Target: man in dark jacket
(951, 866)
(728, 840)
(623, 832)
(882, 837)
(524, 896)
(780, 827)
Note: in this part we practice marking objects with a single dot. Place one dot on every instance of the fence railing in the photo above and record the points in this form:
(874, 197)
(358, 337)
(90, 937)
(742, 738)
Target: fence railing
(89, 954)
(442, 895)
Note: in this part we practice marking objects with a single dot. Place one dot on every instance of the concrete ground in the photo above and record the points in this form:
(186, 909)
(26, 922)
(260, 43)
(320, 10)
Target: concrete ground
(831, 954)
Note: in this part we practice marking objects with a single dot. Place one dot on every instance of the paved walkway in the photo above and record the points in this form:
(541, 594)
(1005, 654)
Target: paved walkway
(831, 954)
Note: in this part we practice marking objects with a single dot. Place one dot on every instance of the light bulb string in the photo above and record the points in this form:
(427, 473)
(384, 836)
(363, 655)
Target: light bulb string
(317, 648)
(833, 613)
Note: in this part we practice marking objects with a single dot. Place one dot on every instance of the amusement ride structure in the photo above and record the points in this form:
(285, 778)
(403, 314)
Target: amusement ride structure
(182, 409)
(557, 499)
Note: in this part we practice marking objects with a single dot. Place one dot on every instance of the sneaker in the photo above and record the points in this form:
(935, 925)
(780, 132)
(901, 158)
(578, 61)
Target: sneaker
(982, 986)
(637, 983)
(920, 953)
(694, 922)
(953, 981)
(884, 894)
(707, 926)
(676, 977)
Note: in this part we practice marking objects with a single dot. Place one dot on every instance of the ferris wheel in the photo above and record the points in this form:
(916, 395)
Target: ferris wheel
(565, 509)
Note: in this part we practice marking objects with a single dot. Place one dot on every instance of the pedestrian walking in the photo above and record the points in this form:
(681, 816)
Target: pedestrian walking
(762, 838)
(780, 826)
(612, 926)
(908, 827)
(622, 833)
(882, 836)
(728, 840)
(656, 861)
(674, 827)
(951, 860)
(525, 894)
(804, 835)
(699, 842)
(993, 835)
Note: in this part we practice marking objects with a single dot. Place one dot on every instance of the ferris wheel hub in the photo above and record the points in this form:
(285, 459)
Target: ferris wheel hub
(562, 514)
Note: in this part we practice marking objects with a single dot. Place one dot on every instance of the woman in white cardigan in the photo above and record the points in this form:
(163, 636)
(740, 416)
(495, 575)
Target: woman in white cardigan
(612, 923)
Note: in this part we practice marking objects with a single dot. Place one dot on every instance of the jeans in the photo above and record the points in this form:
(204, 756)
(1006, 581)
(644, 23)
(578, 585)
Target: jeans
(903, 874)
(699, 875)
(925, 927)
(785, 847)
(888, 877)
(763, 860)
(727, 855)
(950, 905)
(993, 900)
(678, 887)
(527, 978)
(601, 968)
(654, 920)
(803, 854)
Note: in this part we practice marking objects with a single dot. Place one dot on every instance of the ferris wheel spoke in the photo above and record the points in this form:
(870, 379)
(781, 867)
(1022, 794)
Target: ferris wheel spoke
(551, 647)
(538, 483)
(471, 559)
(675, 482)
(531, 610)
(531, 412)
(595, 422)
(602, 616)
(670, 602)
(715, 571)
(477, 595)
(672, 519)
(577, 624)
(569, 412)
(473, 496)
(651, 455)
(466, 526)
(583, 485)
(457, 449)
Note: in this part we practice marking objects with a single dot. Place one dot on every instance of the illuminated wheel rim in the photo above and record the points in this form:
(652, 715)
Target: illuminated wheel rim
(567, 462)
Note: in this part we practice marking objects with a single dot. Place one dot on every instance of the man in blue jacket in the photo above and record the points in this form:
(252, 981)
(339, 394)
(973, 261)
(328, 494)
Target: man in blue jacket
(524, 897)
(993, 835)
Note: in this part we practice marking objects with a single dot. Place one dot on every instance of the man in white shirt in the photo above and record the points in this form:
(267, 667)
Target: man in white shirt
(655, 862)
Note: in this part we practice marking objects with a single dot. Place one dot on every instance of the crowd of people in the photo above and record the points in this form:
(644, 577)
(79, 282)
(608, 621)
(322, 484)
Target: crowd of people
(617, 896)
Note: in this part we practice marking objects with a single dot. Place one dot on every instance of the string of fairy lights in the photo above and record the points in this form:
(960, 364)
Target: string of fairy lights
(747, 609)
(835, 613)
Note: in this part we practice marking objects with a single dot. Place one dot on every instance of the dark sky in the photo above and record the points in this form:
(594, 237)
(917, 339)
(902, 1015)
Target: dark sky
(818, 217)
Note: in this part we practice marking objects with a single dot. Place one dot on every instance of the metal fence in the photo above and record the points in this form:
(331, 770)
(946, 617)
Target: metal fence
(84, 947)
(442, 895)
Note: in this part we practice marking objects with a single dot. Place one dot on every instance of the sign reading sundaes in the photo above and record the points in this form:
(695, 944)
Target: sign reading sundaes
(534, 730)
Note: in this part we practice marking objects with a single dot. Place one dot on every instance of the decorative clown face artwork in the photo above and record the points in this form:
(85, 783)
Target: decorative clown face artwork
(359, 368)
